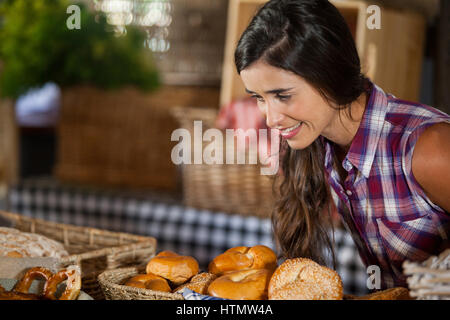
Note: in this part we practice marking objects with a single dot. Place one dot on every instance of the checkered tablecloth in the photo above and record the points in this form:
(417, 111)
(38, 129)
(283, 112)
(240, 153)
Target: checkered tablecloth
(200, 233)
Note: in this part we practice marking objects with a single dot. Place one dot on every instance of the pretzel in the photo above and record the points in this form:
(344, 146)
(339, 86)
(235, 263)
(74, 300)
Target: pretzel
(73, 284)
(23, 285)
(20, 289)
(11, 295)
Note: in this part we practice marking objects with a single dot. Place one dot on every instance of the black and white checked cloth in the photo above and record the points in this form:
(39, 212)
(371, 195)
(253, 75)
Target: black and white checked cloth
(199, 233)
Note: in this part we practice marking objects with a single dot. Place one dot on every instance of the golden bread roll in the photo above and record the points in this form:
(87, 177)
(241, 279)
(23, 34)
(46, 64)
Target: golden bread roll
(239, 258)
(149, 281)
(304, 279)
(174, 267)
(248, 284)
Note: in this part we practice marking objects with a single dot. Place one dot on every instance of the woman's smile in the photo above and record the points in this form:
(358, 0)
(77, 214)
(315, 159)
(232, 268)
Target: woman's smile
(290, 132)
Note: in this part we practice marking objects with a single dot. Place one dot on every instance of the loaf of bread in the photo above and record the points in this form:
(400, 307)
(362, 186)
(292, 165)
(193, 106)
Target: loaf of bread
(17, 244)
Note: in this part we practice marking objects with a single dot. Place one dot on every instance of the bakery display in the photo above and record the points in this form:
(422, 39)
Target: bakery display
(247, 284)
(242, 273)
(71, 275)
(174, 267)
(17, 244)
(239, 258)
(304, 279)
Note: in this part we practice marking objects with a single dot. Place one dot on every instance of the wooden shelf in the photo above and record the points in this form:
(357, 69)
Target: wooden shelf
(391, 56)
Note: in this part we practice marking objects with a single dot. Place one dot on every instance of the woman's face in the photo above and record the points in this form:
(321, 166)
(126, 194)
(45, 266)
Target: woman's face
(289, 104)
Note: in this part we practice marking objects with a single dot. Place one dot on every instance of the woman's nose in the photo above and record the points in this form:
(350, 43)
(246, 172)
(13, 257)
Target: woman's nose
(273, 118)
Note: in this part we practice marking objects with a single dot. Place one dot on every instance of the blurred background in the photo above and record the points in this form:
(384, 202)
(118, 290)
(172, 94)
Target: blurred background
(89, 99)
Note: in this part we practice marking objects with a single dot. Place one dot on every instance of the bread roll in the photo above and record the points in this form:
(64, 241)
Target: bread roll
(174, 267)
(239, 258)
(304, 279)
(248, 284)
(149, 281)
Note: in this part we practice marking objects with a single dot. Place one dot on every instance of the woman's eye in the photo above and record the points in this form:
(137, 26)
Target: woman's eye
(282, 97)
(258, 98)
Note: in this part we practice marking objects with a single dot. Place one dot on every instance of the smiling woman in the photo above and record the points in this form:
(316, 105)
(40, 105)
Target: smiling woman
(345, 142)
(289, 44)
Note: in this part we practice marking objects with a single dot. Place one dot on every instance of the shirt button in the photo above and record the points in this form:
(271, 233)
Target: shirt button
(349, 192)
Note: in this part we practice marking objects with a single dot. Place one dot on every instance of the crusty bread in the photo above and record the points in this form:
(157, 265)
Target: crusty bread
(304, 279)
(18, 244)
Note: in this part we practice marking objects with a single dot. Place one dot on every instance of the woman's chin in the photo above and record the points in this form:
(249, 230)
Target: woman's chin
(298, 144)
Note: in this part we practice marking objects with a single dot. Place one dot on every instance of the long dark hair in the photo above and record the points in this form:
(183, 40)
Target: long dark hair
(311, 39)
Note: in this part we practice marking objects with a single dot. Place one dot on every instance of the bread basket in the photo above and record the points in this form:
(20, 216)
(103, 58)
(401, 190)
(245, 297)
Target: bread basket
(94, 250)
(112, 284)
(430, 279)
(230, 188)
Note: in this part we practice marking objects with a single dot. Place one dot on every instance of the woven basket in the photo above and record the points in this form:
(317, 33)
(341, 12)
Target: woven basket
(230, 188)
(94, 250)
(112, 284)
(121, 137)
(430, 279)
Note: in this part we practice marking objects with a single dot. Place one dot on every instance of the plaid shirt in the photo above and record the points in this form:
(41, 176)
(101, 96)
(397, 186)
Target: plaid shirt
(380, 203)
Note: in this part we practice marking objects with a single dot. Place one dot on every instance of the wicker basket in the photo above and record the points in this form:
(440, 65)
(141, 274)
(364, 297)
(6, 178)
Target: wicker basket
(231, 188)
(94, 250)
(111, 282)
(430, 279)
(121, 137)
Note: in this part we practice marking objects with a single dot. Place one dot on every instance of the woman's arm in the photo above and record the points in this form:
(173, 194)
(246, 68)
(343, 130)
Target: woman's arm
(431, 164)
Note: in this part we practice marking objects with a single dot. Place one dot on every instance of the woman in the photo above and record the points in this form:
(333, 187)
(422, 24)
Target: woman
(383, 162)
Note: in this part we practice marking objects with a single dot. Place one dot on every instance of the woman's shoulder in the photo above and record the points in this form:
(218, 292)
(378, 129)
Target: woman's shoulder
(429, 163)
(410, 115)
(405, 121)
